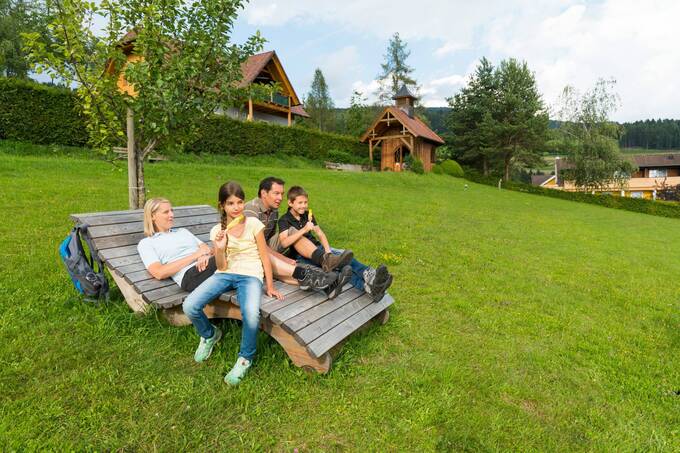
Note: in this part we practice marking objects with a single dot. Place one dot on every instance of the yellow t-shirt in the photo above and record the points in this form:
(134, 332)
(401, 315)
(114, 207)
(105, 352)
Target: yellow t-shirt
(243, 258)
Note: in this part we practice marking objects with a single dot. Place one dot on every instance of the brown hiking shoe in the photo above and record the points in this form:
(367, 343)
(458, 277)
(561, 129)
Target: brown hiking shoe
(330, 261)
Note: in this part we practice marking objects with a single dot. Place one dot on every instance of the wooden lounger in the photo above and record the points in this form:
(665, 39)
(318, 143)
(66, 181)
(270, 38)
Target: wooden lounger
(308, 326)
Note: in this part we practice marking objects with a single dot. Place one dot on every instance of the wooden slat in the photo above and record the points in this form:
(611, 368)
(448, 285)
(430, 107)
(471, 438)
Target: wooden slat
(138, 216)
(306, 318)
(170, 301)
(116, 263)
(156, 294)
(138, 276)
(288, 312)
(323, 324)
(137, 227)
(130, 268)
(267, 308)
(122, 240)
(338, 333)
(89, 217)
(151, 284)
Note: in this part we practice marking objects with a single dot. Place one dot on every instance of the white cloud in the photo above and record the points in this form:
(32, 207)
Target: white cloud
(452, 80)
(564, 41)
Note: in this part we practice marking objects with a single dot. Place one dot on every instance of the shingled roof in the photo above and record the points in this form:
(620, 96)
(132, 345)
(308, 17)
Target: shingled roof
(414, 125)
(656, 160)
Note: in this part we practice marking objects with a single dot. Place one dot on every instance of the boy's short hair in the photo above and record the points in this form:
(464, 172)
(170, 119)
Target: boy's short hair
(296, 191)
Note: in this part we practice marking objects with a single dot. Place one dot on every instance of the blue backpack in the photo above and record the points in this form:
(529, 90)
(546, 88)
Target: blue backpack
(90, 283)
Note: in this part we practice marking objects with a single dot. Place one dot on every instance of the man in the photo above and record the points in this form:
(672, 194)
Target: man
(266, 208)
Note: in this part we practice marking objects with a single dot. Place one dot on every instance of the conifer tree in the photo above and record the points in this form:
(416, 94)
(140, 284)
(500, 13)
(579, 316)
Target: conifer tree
(319, 104)
(395, 72)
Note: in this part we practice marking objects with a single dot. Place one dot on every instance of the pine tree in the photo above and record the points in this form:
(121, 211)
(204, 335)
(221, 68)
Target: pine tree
(395, 71)
(319, 104)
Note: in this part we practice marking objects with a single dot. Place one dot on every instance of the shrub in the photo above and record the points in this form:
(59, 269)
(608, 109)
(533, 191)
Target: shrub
(224, 135)
(437, 169)
(417, 166)
(40, 114)
(452, 168)
(341, 157)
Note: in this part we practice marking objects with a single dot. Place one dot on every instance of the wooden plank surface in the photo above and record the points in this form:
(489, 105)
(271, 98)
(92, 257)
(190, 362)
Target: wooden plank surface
(138, 227)
(137, 215)
(323, 324)
(154, 295)
(307, 317)
(151, 284)
(280, 316)
(130, 250)
(271, 305)
(338, 333)
(92, 218)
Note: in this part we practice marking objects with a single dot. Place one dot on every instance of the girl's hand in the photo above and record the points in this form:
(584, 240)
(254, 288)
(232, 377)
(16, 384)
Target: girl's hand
(271, 292)
(220, 241)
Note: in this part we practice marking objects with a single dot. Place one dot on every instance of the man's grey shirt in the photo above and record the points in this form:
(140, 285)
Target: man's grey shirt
(255, 208)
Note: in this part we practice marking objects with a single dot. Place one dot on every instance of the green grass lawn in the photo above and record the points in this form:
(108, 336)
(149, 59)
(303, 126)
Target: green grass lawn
(521, 323)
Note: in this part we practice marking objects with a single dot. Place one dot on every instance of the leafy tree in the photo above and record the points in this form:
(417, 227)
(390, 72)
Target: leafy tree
(519, 125)
(499, 120)
(359, 115)
(395, 72)
(186, 67)
(16, 17)
(319, 104)
(590, 139)
(470, 118)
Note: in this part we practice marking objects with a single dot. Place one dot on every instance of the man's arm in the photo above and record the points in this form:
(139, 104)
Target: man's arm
(286, 240)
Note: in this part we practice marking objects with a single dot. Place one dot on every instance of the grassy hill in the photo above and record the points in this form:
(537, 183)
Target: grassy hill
(521, 323)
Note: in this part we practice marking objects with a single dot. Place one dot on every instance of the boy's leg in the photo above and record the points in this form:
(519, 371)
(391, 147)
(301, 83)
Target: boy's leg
(358, 270)
(318, 256)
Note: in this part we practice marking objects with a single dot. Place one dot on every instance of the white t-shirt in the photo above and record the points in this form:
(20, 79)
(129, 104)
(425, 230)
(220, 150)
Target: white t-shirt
(167, 247)
(243, 257)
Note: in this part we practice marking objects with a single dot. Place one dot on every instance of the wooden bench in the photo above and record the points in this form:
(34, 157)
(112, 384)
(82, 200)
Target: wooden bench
(309, 327)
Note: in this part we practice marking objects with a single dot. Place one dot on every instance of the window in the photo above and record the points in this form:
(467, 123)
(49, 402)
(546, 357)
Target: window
(636, 194)
(658, 172)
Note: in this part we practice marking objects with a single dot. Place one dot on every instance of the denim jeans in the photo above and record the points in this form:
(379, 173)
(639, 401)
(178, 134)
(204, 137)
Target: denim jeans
(248, 292)
(358, 268)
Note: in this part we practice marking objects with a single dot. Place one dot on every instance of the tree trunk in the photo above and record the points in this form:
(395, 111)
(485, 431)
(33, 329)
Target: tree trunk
(506, 165)
(485, 166)
(141, 187)
(132, 155)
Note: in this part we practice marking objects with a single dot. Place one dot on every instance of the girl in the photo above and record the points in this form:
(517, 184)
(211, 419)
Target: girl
(242, 261)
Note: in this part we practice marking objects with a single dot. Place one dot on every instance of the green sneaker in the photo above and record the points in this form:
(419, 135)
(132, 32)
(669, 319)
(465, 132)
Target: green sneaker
(236, 374)
(205, 347)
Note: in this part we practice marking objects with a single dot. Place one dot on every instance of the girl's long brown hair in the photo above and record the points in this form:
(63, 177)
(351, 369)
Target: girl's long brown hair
(227, 190)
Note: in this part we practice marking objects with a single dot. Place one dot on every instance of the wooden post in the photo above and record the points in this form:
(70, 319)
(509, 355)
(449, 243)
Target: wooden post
(250, 109)
(132, 161)
(290, 115)
(370, 152)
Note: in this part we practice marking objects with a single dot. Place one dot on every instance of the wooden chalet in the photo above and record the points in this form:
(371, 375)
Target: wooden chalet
(398, 133)
(263, 68)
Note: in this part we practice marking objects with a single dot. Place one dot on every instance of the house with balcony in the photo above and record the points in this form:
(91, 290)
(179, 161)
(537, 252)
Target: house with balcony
(654, 171)
(266, 68)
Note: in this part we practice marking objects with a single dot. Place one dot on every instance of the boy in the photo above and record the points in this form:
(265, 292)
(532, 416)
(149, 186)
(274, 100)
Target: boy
(299, 233)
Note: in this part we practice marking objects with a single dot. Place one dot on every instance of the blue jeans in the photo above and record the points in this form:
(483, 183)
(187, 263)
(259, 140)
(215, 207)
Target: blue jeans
(248, 292)
(358, 268)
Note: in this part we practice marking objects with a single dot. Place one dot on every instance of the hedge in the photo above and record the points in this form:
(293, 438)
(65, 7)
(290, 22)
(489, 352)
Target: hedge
(224, 135)
(657, 208)
(40, 114)
(452, 168)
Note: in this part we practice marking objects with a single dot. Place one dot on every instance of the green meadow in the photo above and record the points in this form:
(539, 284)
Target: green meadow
(521, 323)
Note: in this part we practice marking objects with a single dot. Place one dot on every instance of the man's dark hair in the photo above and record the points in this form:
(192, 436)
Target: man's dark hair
(296, 191)
(267, 183)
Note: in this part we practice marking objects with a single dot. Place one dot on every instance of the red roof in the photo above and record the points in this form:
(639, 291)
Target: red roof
(253, 66)
(299, 111)
(414, 125)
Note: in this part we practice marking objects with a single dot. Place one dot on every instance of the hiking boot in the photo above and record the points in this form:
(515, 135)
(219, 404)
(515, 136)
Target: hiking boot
(237, 373)
(330, 261)
(377, 290)
(205, 347)
(375, 276)
(335, 289)
(316, 279)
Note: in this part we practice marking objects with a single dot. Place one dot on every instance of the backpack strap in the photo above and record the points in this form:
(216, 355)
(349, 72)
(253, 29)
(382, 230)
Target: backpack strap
(94, 256)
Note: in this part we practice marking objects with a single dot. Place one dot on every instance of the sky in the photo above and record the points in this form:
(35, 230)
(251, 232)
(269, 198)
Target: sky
(564, 42)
